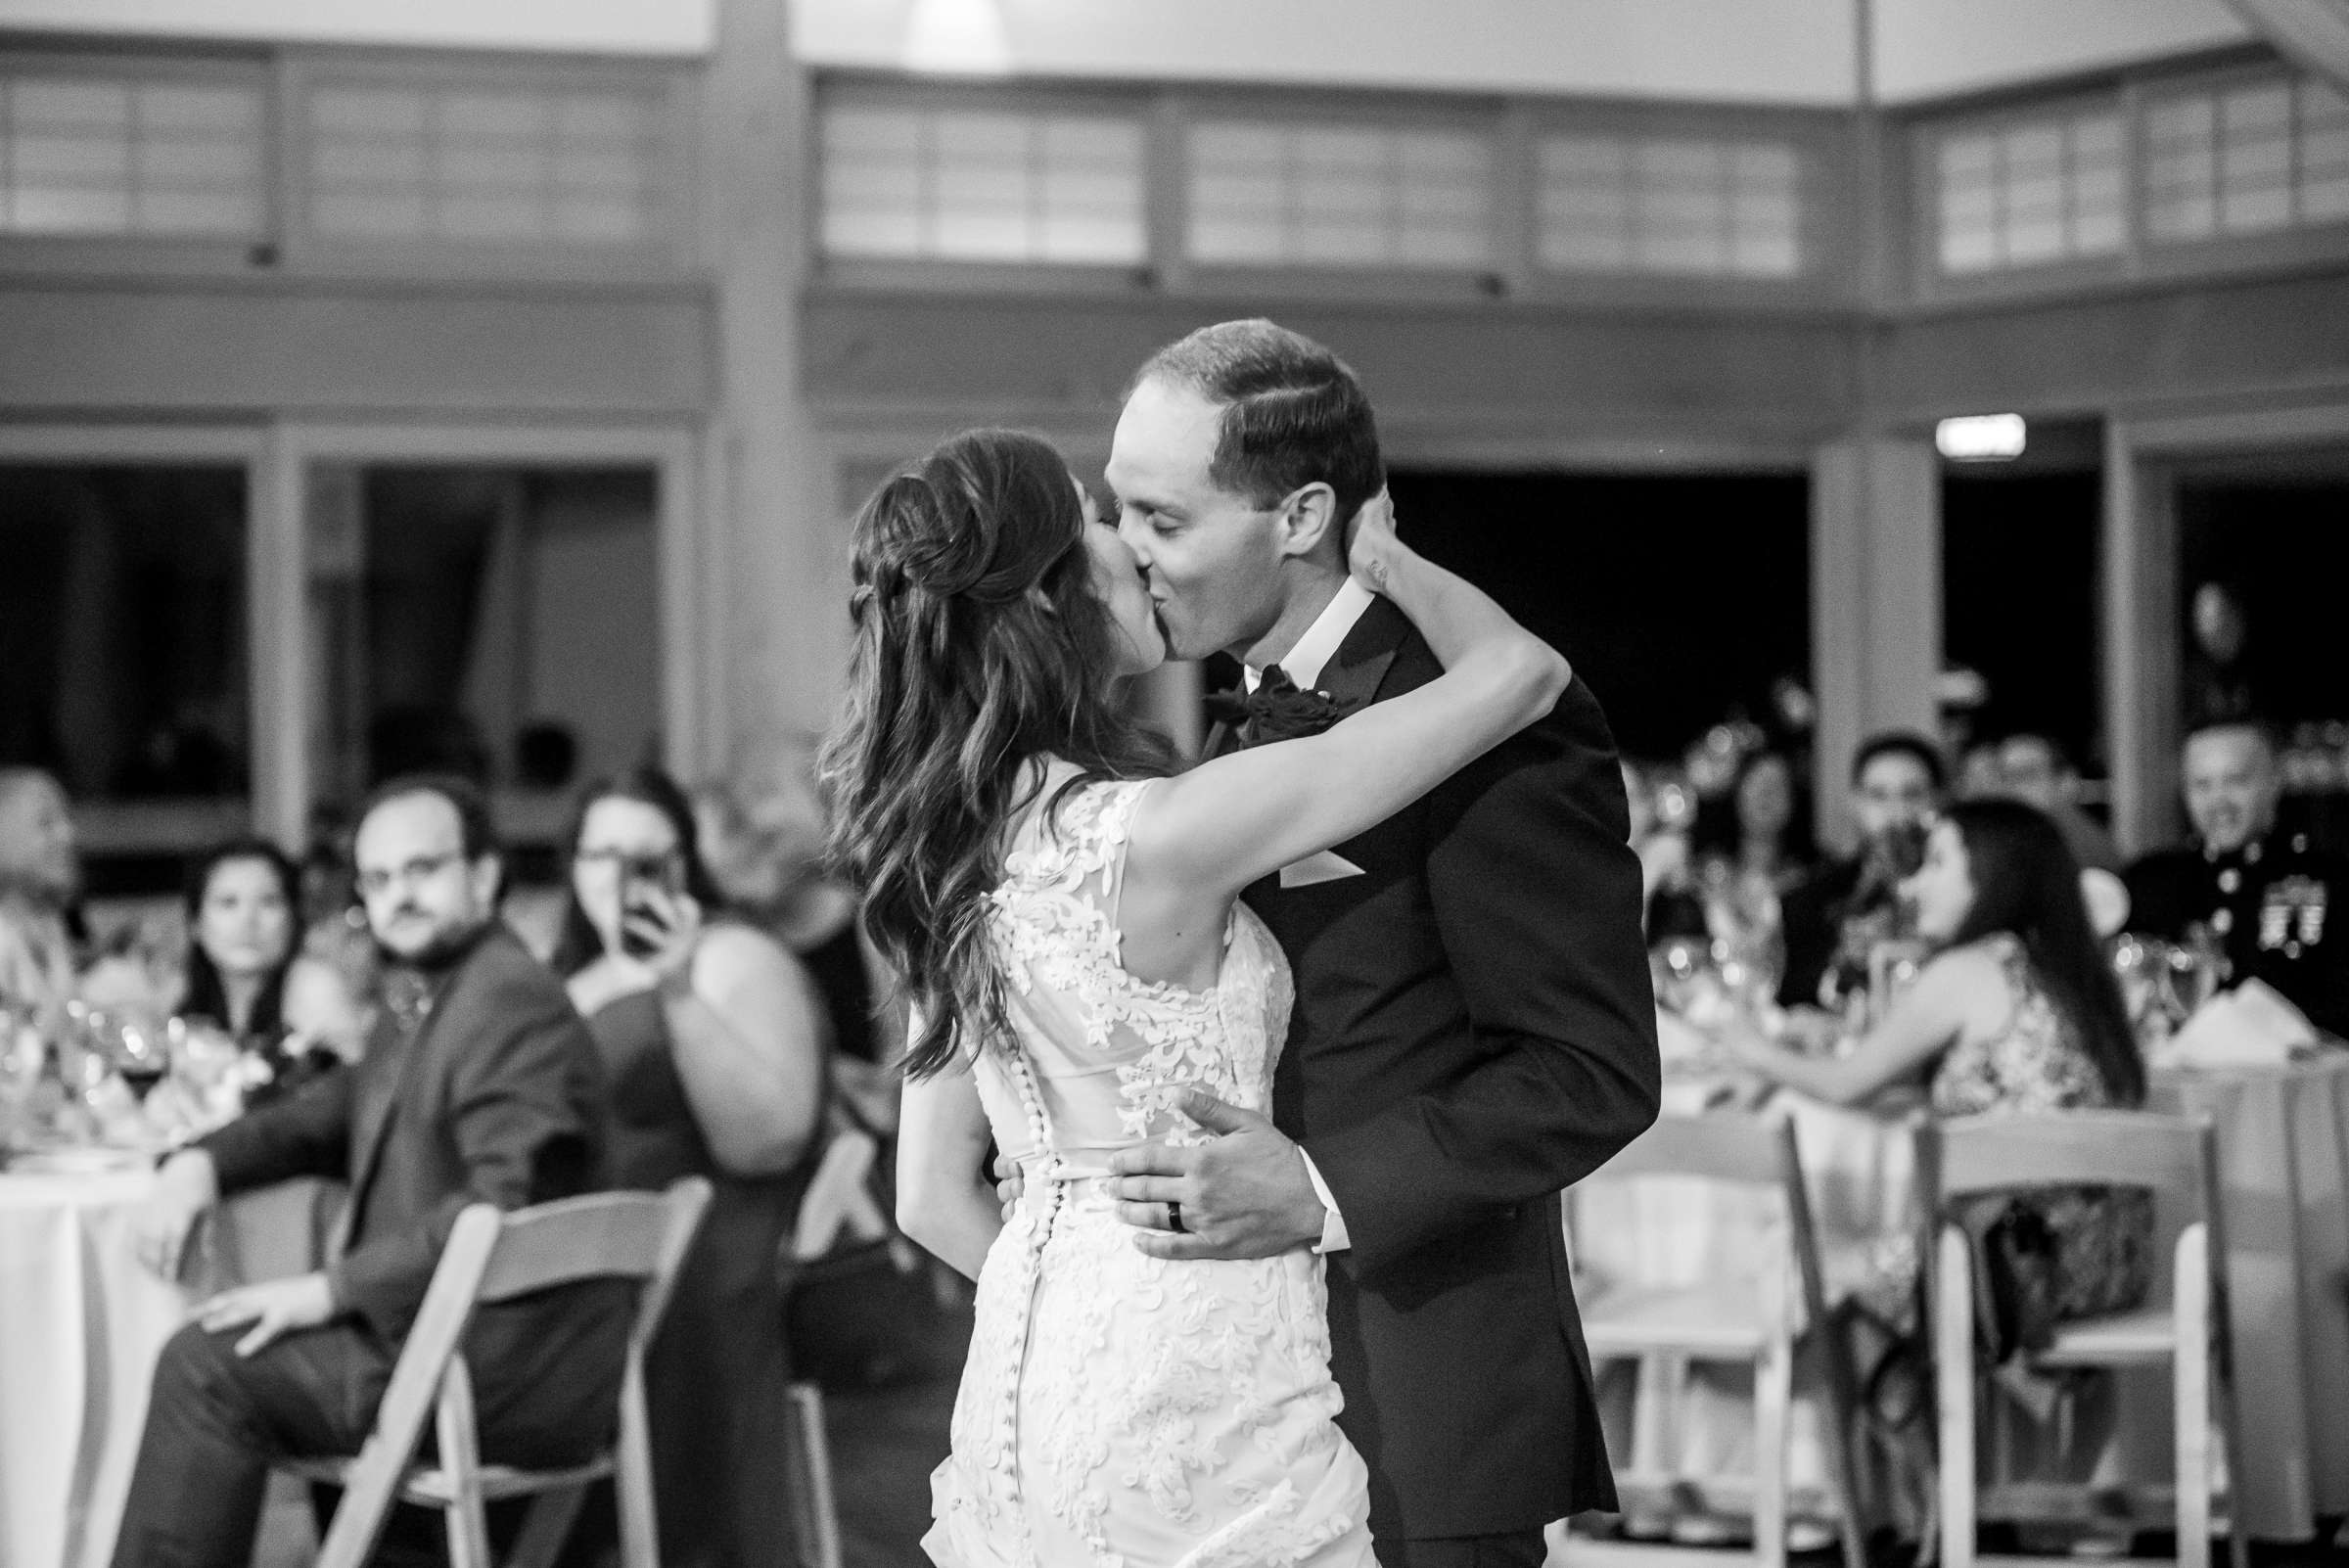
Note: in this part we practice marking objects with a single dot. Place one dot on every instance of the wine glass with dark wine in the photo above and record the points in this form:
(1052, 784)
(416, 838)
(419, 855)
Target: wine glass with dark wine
(141, 1056)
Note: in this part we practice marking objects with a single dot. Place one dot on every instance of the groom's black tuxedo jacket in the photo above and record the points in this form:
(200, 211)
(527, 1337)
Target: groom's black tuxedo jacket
(1474, 1030)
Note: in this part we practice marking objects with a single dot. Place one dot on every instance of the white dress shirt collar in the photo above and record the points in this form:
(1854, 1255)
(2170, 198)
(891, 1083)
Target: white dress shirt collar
(1305, 662)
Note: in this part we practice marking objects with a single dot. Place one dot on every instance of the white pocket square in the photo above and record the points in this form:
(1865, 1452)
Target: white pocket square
(1320, 867)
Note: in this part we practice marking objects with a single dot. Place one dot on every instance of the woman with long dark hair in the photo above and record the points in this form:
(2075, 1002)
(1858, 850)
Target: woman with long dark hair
(245, 972)
(1062, 909)
(1753, 847)
(2018, 1011)
(1760, 829)
(714, 1049)
(241, 902)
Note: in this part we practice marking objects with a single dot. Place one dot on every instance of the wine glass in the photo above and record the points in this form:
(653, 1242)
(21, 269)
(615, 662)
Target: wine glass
(140, 1054)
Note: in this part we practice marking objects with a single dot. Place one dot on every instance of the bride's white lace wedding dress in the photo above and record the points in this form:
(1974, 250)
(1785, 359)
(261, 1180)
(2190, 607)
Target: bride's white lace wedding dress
(1119, 1410)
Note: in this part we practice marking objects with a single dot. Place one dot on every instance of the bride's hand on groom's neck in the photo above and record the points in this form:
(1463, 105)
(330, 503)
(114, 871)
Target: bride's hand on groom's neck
(1242, 1194)
(1372, 541)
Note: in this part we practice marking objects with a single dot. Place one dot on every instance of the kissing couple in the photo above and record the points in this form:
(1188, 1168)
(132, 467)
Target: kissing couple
(1287, 1056)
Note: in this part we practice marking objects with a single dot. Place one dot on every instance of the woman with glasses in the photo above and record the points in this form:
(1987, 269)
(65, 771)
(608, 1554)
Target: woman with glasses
(714, 1046)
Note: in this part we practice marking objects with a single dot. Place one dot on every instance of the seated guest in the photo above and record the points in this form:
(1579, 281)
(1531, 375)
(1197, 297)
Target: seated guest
(763, 833)
(2016, 1012)
(1834, 917)
(1669, 905)
(1978, 774)
(1753, 853)
(479, 1084)
(713, 1040)
(2261, 898)
(244, 974)
(40, 877)
(2034, 770)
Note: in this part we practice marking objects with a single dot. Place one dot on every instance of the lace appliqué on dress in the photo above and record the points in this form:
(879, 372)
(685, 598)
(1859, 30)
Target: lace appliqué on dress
(1117, 1407)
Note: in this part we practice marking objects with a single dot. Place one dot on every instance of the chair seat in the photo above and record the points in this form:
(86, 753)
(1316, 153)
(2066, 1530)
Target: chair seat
(431, 1486)
(2147, 1334)
(1697, 1320)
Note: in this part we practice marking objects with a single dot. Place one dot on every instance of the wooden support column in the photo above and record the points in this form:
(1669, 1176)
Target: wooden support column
(2141, 644)
(278, 593)
(1876, 600)
(777, 569)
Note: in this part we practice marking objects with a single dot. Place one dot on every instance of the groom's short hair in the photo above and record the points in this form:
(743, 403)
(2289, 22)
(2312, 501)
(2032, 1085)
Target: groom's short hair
(1293, 411)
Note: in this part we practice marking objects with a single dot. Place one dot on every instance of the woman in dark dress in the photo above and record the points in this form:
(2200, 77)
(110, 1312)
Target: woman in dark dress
(248, 976)
(713, 1040)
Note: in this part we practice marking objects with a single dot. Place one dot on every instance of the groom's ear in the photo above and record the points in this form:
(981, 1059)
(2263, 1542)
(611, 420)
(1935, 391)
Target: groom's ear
(1309, 521)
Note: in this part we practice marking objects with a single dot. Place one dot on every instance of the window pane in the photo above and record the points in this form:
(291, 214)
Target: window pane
(519, 166)
(122, 629)
(1668, 205)
(488, 618)
(2026, 193)
(992, 185)
(91, 154)
(1339, 195)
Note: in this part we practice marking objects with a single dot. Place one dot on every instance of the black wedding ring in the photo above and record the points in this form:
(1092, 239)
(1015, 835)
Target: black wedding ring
(1174, 1218)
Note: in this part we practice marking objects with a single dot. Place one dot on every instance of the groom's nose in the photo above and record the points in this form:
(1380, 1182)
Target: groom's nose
(1137, 540)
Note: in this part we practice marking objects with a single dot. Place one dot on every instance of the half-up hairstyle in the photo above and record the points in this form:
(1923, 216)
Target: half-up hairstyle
(980, 649)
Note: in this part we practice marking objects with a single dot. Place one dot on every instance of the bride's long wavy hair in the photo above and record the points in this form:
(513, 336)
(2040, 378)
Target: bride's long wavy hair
(980, 648)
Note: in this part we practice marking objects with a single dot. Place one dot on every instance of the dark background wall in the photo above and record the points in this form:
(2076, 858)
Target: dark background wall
(1677, 598)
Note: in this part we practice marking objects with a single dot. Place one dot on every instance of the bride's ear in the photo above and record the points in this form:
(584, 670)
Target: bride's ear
(1310, 520)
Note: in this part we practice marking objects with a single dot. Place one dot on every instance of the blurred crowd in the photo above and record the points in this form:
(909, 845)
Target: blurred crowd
(692, 998)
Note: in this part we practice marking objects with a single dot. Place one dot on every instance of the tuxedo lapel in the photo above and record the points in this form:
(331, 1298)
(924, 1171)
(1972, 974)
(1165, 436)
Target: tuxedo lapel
(1360, 662)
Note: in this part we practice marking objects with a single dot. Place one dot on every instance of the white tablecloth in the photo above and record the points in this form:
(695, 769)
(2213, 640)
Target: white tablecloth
(80, 1323)
(1679, 1231)
(80, 1326)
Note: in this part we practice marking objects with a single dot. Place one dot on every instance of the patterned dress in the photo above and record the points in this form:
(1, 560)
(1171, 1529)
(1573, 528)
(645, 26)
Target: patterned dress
(2103, 1236)
(1119, 1409)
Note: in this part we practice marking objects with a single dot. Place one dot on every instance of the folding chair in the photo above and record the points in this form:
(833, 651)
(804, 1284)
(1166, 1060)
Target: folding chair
(2178, 1158)
(1732, 1322)
(837, 1202)
(494, 1257)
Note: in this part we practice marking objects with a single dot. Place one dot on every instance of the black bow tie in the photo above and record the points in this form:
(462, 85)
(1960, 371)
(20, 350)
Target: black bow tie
(1277, 709)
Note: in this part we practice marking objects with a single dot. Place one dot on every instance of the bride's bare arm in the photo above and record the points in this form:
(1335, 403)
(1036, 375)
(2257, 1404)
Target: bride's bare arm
(1212, 831)
(943, 1202)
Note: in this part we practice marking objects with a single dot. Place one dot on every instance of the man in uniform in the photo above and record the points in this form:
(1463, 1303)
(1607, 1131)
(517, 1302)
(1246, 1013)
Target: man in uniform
(2267, 901)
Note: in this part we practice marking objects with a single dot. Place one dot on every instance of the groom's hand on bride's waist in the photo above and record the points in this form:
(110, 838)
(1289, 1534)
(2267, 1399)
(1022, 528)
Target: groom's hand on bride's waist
(1244, 1193)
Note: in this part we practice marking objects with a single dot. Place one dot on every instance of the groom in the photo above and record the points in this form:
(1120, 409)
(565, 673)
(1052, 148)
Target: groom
(1474, 1028)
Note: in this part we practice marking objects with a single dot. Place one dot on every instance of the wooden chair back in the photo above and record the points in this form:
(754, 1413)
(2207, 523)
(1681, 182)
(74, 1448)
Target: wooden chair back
(1737, 1146)
(491, 1256)
(2173, 1155)
(2070, 1148)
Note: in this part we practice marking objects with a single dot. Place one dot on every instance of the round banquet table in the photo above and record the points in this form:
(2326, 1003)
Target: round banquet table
(81, 1323)
(2283, 1156)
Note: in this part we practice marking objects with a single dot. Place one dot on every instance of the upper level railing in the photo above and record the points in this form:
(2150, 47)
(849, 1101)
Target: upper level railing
(2163, 174)
(340, 162)
(401, 165)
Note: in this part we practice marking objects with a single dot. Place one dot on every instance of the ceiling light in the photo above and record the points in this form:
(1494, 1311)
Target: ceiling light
(957, 38)
(1980, 438)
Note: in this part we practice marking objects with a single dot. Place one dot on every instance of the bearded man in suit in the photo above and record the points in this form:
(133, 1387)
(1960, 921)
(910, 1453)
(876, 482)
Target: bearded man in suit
(1474, 1027)
(479, 1084)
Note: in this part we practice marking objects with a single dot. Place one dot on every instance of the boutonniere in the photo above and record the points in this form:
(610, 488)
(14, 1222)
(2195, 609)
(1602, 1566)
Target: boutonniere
(1279, 708)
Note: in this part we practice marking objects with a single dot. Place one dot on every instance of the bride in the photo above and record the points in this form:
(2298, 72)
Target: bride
(1062, 907)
